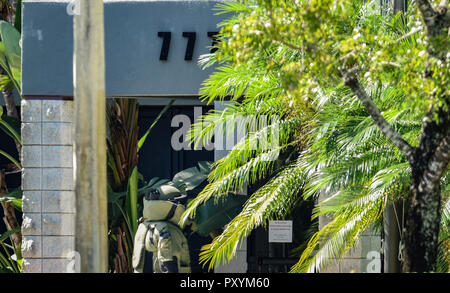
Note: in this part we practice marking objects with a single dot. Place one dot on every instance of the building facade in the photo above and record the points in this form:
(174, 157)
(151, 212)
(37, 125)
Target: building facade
(152, 48)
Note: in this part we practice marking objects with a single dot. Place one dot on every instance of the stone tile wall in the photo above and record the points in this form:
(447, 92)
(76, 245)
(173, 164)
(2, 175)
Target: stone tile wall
(239, 263)
(48, 187)
(365, 257)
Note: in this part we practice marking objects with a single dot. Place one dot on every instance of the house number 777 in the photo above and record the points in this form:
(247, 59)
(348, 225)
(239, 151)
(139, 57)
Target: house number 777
(191, 38)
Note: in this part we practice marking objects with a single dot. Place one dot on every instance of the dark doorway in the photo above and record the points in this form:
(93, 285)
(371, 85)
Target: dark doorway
(158, 159)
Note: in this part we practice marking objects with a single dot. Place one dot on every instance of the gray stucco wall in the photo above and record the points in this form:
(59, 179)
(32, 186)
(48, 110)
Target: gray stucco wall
(132, 46)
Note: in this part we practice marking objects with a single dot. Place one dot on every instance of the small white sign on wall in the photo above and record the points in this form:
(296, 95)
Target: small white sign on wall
(280, 231)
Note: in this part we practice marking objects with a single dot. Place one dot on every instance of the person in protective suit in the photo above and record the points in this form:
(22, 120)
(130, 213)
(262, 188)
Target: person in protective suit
(159, 232)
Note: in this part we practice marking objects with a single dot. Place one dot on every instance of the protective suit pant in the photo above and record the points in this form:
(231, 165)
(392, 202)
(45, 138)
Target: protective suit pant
(167, 243)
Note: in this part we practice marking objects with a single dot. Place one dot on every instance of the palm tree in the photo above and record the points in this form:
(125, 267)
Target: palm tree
(353, 163)
(331, 144)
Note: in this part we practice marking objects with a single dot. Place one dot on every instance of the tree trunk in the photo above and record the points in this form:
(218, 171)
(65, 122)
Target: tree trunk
(11, 109)
(431, 157)
(13, 13)
(423, 219)
(428, 163)
(422, 228)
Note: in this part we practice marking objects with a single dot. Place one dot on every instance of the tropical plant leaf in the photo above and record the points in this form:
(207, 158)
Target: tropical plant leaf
(7, 270)
(11, 126)
(190, 178)
(8, 234)
(341, 152)
(10, 37)
(9, 157)
(271, 201)
(163, 111)
(10, 52)
(212, 216)
(14, 197)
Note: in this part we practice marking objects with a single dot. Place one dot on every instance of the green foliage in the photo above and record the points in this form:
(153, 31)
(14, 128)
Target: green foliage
(10, 56)
(126, 186)
(10, 61)
(352, 163)
(9, 261)
(14, 197)
(443, 263)
(11, 126)
(123, 148)
(287, 59)
(184, 181)
(383, 49)
(272, 201)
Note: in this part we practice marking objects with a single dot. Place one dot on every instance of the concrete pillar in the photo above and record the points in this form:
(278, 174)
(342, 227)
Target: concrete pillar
(48, 187)
(91, 241)
(399, 5)
(392, 219)
(239, 262)
(364, 257)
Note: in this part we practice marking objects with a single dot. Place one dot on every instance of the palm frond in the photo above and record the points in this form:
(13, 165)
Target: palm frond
(249, 161)
(235, 118)
(271, 201)
(337, 238)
